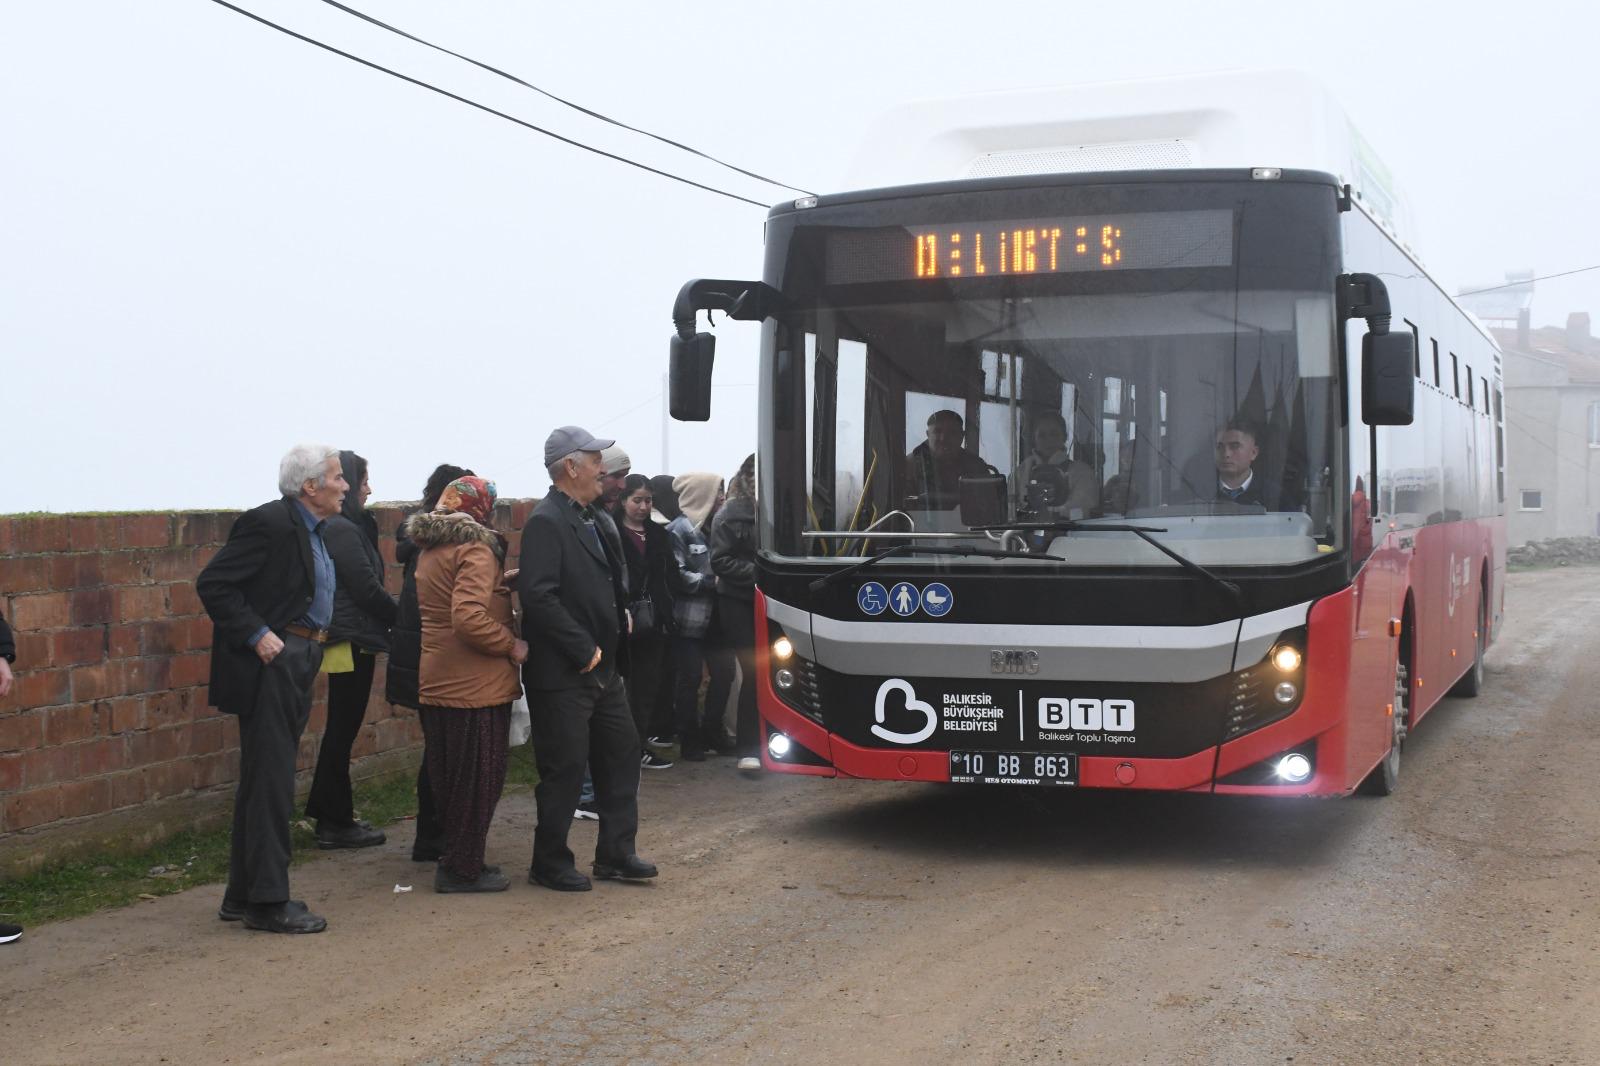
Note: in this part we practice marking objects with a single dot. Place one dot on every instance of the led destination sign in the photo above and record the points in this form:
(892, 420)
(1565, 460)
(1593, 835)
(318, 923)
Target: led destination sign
(1151, 241)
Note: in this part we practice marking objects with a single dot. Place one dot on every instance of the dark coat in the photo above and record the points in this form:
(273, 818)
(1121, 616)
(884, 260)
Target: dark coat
(647, 573)
(401, 684)
(353, 544)
(8, 643)
(733, 548)
(939, 483)
(263, 576)
(572, 600)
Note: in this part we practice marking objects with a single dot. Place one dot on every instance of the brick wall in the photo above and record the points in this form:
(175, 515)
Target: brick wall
(106, 738)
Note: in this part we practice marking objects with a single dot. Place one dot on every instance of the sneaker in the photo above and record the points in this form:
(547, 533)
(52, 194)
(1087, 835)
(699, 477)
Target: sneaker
(749, 764)
(651, 761)
(659, 743)
(9, 932)
(586, 811)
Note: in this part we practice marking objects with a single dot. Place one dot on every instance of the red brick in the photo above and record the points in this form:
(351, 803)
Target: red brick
(104, 756)
(34, 807)
(145, 530)
(96, 682)
(168, 779)
(200, 634)
(197, 563)
(50, 610)
(10, 773)
(182, 600)
(93, 606)
(33, 649)
(158, 746)
(82, 798)
(5, 535)
(21, 732)
(75, 571)
(219, 768)
(167, 708)
(136, 603)
(124, 568)
(174, 564)
(164, 637)
(40, 688)
(126, 714)
(123, 641)
(46, 766)
(188, 670)
(127, 790)
(27, 573)
(70, 647)
(206, 737)
(146, 675)
(45, 533)
(205, 527)
(69, 724)
(88, 533)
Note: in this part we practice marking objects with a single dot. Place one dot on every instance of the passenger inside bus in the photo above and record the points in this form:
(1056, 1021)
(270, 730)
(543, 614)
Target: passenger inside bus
(936, 466)
(1048, 481)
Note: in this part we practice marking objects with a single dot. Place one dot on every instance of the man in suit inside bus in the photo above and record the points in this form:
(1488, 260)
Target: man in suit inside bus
(1235, 453)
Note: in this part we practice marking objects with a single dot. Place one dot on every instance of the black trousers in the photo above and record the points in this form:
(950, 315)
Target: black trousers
(269, 740)
(647, 655)
(330, 799)
(739, 635)
(574, 728)
(694, 658)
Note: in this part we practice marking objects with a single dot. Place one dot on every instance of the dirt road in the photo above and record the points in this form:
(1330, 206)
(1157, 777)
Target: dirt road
(800, 920)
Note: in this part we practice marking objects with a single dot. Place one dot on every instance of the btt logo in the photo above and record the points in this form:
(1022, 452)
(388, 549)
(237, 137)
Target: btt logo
(1091, 716)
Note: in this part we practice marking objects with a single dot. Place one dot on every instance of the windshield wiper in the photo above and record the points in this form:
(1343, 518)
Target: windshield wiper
(923, 549)
(1234, 592)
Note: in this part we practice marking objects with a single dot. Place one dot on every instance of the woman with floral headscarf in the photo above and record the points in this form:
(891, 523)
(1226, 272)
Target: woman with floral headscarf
(468, 675)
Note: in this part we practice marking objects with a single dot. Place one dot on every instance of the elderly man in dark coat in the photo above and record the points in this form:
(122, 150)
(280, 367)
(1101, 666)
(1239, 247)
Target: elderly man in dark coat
(269, 593)
(574, 619)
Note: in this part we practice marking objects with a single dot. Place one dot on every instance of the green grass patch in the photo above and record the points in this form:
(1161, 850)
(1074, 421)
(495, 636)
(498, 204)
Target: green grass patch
(74, 889)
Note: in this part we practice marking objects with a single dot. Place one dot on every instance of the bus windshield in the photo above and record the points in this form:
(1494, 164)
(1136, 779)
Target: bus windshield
(1210, 414)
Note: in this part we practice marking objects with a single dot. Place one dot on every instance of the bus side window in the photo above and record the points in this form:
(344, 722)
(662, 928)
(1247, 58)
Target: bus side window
(1416, 345)
(1470, 392)
(1435, 362)
(1455, 373)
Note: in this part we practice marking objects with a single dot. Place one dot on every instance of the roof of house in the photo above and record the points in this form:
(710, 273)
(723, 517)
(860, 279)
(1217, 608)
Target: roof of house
(1571, 346)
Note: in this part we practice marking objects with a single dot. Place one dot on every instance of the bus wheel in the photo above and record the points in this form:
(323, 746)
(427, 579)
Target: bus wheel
(1471, 682)
(1385, 777)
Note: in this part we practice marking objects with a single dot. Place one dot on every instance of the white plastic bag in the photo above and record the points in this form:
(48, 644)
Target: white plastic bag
(521, 722)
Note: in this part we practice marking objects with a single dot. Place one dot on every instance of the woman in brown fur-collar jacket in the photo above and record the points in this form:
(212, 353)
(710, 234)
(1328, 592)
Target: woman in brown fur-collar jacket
(468, 674)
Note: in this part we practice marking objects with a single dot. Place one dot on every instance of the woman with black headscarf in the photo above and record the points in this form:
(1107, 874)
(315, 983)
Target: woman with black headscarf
(352, 540)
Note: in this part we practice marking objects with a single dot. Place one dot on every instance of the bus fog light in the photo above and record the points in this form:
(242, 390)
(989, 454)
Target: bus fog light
(1293, 768)
(1287, 658)
(782, 648)
(785, 679)
(778, 745)
(1285, 692)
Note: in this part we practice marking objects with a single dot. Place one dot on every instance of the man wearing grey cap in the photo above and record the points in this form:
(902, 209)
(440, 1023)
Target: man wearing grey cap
(575, 621)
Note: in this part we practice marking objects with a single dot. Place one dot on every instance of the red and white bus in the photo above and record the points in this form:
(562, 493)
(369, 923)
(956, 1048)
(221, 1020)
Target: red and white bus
(1184, 478)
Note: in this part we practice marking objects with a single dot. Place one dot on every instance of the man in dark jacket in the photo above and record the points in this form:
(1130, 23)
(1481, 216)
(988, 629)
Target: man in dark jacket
(574, 619)
(733, 558)
(269, 593)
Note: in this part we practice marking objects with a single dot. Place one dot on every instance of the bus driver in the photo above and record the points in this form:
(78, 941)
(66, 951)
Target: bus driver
(936, 466)
(1236, 452)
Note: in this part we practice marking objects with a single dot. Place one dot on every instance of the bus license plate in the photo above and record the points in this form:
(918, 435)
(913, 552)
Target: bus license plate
(1013, 768)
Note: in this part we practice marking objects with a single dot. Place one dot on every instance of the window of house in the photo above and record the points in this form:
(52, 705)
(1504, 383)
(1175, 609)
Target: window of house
(1532, 500)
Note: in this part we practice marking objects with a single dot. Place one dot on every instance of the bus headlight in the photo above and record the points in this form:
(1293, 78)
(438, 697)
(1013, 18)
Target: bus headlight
(782, 649)
(1293, 768)
(1287, 658)
(778, 745)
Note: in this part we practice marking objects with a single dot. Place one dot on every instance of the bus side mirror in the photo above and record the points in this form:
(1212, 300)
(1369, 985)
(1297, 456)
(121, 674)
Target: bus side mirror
(689, 377)
(983, 500)
(1388, 380)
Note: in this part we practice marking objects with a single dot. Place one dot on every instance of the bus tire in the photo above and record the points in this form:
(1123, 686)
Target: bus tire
(1385, 777)
(1471, 682)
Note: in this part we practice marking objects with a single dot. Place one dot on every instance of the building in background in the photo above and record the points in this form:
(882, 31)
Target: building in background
(1552, 399)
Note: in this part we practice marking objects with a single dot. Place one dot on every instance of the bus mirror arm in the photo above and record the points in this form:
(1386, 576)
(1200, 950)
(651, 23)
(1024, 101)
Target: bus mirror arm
(1365, 296)
(1388, 360)
(692, 354)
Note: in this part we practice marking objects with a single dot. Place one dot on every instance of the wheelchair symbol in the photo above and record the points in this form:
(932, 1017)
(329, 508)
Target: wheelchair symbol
(871, 598)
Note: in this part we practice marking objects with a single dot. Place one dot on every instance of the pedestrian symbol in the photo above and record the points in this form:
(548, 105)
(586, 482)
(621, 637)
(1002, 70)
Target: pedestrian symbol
(937, 599)
(871, 598)
(904, 599)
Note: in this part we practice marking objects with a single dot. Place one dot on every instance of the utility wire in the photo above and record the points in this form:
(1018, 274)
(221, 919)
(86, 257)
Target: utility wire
(484, 107)
(560, 100)
(1529, 281)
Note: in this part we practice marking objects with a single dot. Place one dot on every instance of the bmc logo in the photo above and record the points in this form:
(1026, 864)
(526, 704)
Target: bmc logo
(1009, 661)
(1091, 716)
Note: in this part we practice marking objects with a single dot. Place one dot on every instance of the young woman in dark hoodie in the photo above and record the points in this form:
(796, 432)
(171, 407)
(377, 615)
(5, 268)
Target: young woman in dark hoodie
(401, 685)
(733, 559)
(352, 540)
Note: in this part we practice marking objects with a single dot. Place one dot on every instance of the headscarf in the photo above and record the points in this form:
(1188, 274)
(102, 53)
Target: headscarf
(666, 499)
(743, 485)
(697, 496)
(470, 496)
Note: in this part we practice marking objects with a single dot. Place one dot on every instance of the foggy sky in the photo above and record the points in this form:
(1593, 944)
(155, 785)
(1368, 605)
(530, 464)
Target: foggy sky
(219, 241)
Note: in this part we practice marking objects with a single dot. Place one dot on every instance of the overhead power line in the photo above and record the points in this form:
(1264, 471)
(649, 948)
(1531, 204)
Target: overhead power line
(347, 9)
(484, 107)
(1530, 281)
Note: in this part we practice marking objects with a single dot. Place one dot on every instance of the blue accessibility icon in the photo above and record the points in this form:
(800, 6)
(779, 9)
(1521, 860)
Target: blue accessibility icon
(937, 599)
(871, 598)
(904, 599)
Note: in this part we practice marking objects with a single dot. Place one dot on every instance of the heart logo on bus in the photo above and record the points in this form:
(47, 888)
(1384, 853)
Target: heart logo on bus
(894, 684)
